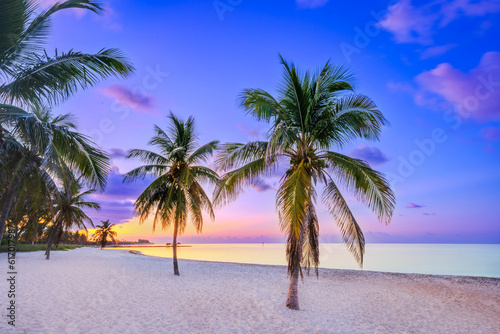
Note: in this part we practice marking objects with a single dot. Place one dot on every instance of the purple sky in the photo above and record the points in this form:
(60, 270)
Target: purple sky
(433, 68)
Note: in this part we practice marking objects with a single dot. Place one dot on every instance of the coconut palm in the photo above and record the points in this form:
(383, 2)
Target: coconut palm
(176, 194)
(103, 232)
(28, 75)
(312, 115)
(32, 79)
(68, 208)
(41, 150)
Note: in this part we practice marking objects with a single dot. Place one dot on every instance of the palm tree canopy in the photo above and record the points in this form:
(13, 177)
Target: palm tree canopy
(106, 227)
(312, 115)
(176, 193)
(69, 205)
(104, 231)
(28, 75)
(52, 144)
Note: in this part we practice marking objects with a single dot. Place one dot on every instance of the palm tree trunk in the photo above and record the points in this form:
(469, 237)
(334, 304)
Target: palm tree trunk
(174, 248)
(292, 299)
(16, 233)
(50, 240)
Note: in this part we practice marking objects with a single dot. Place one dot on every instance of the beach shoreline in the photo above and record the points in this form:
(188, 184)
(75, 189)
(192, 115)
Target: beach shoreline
(87, 289)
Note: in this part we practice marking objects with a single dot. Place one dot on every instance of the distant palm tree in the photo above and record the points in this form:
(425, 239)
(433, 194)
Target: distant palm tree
(68, 211)
(176, 194)
(312, 114)
(103, 232)
(31, 77)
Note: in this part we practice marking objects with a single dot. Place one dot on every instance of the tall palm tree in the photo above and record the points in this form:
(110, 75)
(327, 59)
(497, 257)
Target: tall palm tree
(32, 80)
(69, 211)
(28, 75)
(103, 232)
(311, 115)
(43, 150)
(176, 194)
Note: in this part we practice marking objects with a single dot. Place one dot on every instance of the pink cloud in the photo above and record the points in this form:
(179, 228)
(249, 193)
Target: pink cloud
(417, 24)
(250, 132)
(129, 98)
(436, 51)
(108, 19)
(409, 24)
(311, 3)
(491, 133)
(452, 10)
(414, 206)
(474, 94)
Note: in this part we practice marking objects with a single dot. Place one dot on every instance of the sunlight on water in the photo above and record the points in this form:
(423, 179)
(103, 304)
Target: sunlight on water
(441, 259)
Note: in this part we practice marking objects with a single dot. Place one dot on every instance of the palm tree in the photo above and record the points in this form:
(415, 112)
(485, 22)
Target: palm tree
(32, 79)
(41, 150)
(103, 232)
(28, 76)
(312, 115)
(69, 205)
(176, 194)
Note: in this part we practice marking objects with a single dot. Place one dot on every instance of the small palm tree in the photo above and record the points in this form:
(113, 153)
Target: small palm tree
(312, 114)
(68, 211)
(176, 194)
(103, 232)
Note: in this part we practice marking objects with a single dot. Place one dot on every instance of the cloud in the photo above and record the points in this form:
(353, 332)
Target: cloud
(117, 201)
(117, 153)
(409, 24)
(108, 19)
(491, 133)
(261, 186)
(436, 51)
(414, 206)
(453, 9)
(474, 94)
(311, 3)
(129, 98)
(417, 24)
(250, 132)
(372, 155)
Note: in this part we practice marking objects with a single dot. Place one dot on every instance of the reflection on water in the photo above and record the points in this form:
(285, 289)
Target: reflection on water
(442, 259)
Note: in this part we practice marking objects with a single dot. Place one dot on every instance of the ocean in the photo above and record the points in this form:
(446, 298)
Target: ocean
(439, 259)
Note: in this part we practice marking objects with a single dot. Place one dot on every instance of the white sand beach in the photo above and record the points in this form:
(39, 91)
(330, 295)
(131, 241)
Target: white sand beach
(89, 290)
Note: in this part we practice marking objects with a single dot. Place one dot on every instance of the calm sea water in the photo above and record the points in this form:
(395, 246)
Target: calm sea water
(441, 259)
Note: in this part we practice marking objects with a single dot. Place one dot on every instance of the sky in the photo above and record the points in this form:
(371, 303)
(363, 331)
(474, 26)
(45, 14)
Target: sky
(433, 68)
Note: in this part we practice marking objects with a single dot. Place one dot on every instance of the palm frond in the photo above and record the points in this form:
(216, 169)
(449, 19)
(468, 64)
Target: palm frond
(231, 155)
(349, 228)
(293, 198)
(53, 80)
(203, 153)
(370, 186)
(232, 183)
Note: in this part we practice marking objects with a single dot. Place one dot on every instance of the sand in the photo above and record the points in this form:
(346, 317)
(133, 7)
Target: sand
(113, 291)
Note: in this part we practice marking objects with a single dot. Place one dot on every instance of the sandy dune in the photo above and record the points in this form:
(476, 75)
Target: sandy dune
(112, 291)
